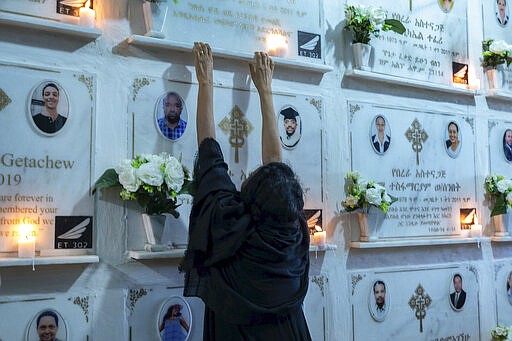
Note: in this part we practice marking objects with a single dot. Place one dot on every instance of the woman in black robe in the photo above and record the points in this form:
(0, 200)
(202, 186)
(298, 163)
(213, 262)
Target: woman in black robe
(248, 251)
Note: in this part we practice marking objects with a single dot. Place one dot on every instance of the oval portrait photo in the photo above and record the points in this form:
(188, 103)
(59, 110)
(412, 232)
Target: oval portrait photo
(507, 144)
(446, 5)
(290, 126)
(47, 325)
(509, 287)
(457, 293)
(174, 319)
(453, 139)
(380, 134)
(49, 107)
(171, 116)
(501, 10)
(378, 301)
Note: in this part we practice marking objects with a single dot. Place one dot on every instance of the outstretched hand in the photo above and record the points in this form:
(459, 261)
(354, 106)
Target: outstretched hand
(262, 69)
(203, 62)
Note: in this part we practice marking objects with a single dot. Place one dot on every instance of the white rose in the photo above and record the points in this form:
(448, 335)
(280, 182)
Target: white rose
(509, 198)
(378, 16)
(499, 46)
(349, 14)
(504, 185)
(127, 176)
(150, 173)
(173, 174)
(156, 159)
(386, 198)
(373, 196)
(351, 201)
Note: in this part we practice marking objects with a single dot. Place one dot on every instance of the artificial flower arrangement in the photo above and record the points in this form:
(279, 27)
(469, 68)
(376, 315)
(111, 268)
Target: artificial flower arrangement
(154, 181)
(500, 333)
(495, 52)
(361, 194)
(499, 189)
(365, 21)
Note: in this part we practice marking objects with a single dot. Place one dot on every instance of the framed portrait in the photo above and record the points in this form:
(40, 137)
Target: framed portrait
(47, 324)
(171, 116)
(174, 319)
(48, 107)
(378, 300)
(380, 134)
(290, 126)
(452, 139)
(501, 11)
(446, 5)
(507, 144)
(457, 297)
(509, 287)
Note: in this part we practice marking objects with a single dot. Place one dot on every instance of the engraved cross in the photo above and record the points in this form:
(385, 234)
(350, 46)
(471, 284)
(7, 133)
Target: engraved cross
(416, 135)
(237, 127)
(420, 303)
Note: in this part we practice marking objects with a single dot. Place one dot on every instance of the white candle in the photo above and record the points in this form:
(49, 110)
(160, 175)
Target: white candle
(276, 45)
(27, 242)
(476, 231)
(319, 238)
(87, 16)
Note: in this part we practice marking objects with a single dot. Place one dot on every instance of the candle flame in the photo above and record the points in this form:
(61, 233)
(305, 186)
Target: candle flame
(275, 41)
(476, 220)
(469, 218)
(318, 228)
(88, 4)
(26, 232)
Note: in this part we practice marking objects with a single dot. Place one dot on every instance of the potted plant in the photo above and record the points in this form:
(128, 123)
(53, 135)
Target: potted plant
(494, 53)
(154, 181)
(500, 333)
(365, 22)
(499, 192)
(361, 195)
(155, 13)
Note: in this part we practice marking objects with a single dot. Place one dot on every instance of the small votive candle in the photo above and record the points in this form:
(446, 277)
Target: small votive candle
(476, 231)
(320, 238)
(276, 45)
(87, 16)
(27, 242)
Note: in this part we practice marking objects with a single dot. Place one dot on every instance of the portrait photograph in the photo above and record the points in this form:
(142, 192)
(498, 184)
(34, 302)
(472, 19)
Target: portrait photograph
(378, 300)
(380, 134)
(171, 116)
(509, 287)
(290, 127)
(507, 144)
(502, 12)
(457, 295)
(48, 107)
(174, 319)
(446, 5)
(452, 139)
(47, 325)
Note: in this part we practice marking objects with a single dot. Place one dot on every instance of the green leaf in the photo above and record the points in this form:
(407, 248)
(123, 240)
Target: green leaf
(500, 206)
(108, 179)
(395, 26)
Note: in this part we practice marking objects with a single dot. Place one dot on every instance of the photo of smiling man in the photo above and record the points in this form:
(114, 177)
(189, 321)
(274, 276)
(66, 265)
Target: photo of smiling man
(290, 127)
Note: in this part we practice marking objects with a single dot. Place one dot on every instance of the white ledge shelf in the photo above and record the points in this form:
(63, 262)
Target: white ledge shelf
(498, 94)
(413, 83)
(415, 242)
(48, 25)
(168, 254)
(507, 239)
(327, 247)
(164, 44)
(8, 260)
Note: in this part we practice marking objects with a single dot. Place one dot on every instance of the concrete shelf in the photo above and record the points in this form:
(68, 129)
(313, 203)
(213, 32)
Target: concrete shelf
(415, 242)
(168, 254)
(11, 259)
(498, 94)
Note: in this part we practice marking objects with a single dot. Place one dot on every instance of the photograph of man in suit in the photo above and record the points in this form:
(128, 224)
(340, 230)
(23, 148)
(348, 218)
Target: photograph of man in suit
(380, 135)
(378, 307)
(290, 128)
(507, 144)
(458, 297)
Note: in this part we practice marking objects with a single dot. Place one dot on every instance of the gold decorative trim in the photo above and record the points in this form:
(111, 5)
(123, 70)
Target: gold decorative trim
(321, 281)
(353, 109)
(419, 302)
(416, 135)
(492, 124)
(4, 99)
(317, 103)
(88, 82)
(82, 302)
(355, 280)
(237, 127)
(474, 270)
(497, 268)
(139, 83)
(134, 295)
(471, 122)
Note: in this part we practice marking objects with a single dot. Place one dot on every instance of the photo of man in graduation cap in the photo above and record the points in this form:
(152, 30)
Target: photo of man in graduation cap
(290, 127)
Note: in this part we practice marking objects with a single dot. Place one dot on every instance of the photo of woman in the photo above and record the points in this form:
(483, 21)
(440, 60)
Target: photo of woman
(446, 5)
(49, 107)
(47, 325)
(380, 135)
(453, 140)
(501, 9)
(175, 320)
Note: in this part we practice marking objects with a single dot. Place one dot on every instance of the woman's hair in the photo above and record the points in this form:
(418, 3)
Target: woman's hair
(53, 85)
(273, 192)
(48, 313)
(168, 314)
(455, 124)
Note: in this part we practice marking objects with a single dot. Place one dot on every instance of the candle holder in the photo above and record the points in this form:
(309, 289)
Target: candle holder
(27, 242)
(87, 15)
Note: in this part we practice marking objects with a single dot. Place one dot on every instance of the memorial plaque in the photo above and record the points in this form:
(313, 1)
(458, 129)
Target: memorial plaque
(429, 166)
(434, 39)
(61, 10)
(45, 161)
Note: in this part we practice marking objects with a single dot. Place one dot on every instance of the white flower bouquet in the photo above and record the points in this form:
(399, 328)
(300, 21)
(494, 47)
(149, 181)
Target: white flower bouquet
(495, 52)
(361, 194)
(154, 181)
(499, 190)
(500, 333)
(365, 21)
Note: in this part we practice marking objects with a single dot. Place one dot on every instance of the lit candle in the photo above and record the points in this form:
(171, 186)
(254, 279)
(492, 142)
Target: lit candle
(476, 229)
(319, 237)
(27, 242)
(276, 45)
(87, 15)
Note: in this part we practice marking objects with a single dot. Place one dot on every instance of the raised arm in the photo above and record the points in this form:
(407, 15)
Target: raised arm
(261, 72)
(205, 124)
